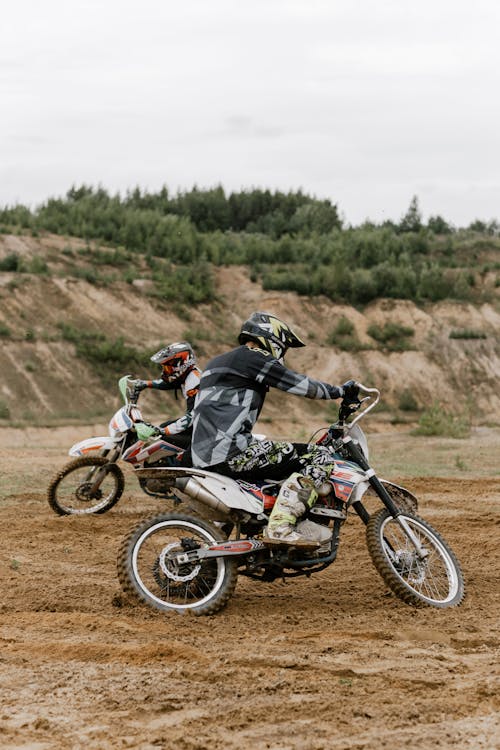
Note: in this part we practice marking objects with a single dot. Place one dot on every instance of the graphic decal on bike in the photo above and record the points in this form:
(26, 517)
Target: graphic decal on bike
(345, 476)
(257, 491)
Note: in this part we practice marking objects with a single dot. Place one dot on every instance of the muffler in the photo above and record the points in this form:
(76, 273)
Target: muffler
(191, 487)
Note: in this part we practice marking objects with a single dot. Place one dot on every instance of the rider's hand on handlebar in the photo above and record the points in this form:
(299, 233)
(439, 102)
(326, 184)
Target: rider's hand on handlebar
(351, 389)
(139, 385)
(351, 393)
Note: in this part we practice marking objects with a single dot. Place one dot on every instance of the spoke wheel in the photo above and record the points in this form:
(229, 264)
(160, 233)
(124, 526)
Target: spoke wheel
(435, 580)
(87, 485)
(152, 566)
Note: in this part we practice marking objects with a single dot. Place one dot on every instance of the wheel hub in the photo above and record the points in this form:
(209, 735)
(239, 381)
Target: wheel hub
(84, 494)
(408, 563)
(169, 566)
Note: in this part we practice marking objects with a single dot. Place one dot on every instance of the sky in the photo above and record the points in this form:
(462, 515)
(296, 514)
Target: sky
(364, 103)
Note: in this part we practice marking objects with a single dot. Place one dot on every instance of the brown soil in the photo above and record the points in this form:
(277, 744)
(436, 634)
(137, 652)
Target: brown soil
(331, 662)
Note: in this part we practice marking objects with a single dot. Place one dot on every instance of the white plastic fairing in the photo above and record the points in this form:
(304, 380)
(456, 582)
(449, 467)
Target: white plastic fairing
(141, 451)
(357, 434)
(120, 422)
(92, 444)
(227, 490)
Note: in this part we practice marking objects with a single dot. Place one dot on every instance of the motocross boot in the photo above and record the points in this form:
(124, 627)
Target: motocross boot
(296, 495)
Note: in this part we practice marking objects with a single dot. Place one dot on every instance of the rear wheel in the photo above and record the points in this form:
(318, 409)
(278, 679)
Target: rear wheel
(90, 484)
(153, 565)
(433, 580)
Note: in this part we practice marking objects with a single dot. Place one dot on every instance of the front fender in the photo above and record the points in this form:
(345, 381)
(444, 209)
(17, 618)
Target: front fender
(404, 499)
(84, 447)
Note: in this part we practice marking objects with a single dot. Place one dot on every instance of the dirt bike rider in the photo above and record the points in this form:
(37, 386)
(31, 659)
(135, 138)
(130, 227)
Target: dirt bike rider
(231, 396)
(179, 372)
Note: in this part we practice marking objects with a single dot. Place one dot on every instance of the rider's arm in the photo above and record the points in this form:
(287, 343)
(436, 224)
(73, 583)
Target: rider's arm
(269, 371)
(158, 384)
(189, 389)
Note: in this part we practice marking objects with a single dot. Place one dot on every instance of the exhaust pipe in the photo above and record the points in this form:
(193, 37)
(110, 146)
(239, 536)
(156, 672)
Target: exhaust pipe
(191, 487)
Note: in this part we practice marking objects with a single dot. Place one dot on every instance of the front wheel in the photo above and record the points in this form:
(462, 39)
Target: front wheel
(433, 580)
(152, 565)
(89, 484)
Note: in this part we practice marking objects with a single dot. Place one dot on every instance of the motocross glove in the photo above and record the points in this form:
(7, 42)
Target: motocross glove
(139, 385)
(158, 431)
(350, 390)
(351, 394)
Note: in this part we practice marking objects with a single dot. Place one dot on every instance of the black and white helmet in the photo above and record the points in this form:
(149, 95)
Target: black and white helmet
(271, 333)
(176, 360)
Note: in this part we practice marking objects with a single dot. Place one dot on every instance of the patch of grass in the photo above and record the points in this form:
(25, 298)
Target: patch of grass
(11, 262)
(344, 336)
(437, 421)
(392, 336)
(36, 265)
(4, 410)
(107, 356)
(407, 401)
(5, 332)
(467, 333)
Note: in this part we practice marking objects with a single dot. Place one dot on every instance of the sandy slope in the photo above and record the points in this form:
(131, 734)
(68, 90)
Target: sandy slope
(331, 662)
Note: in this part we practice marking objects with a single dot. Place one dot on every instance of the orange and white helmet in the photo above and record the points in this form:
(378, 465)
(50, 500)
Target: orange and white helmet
(175, 360)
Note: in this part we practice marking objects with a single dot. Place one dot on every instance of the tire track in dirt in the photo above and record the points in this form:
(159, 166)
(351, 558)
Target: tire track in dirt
(334, 661)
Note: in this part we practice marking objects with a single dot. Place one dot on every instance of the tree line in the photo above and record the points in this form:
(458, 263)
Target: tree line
(291, 241)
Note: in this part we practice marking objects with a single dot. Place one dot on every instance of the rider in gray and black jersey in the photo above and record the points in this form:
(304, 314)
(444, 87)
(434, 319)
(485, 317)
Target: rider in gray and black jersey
(231, 396)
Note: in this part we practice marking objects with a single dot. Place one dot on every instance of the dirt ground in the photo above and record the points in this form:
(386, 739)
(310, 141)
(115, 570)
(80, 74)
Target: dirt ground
(332, 662)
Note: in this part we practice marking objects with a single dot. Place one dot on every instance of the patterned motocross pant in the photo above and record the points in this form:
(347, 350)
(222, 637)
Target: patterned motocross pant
(269, 459)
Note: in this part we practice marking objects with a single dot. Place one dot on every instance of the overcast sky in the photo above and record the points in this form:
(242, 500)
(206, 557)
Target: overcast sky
(366, 102)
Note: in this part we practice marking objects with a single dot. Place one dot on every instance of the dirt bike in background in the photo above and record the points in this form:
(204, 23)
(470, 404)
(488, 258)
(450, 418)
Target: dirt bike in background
(93, 482)
(189, 562)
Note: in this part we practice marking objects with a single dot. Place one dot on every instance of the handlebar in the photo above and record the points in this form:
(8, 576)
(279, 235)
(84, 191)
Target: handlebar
(371, 406)
(370, 392)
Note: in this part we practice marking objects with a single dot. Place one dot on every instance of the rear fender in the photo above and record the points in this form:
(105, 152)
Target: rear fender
(216, 486)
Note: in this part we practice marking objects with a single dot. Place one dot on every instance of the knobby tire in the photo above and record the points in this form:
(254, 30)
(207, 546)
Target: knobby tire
(79, 463)
(138, 592)
(381, 549)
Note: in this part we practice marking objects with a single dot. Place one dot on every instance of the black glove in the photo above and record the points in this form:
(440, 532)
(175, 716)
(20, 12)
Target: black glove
(139, 385)
(351, 392)
(159, 431)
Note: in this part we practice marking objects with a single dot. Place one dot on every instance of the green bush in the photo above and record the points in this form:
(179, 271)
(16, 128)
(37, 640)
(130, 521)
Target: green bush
(5, 331)
(437, 421)
(11, 262)
(4, 410)
(35, 265)
(392, 336)
(344, 327)
(407, 401)
(467, 333)
(107, 356)
(344, 336)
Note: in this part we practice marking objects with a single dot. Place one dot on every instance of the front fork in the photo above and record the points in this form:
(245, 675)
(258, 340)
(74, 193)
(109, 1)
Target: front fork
(97, 476)
(358, 456)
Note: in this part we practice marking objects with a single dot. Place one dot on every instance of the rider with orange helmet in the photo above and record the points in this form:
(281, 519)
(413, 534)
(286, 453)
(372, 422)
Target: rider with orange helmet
(179, 372)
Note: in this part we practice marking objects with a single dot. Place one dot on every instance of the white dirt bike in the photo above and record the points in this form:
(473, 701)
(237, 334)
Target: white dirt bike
(93, 482)
(189, 562)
